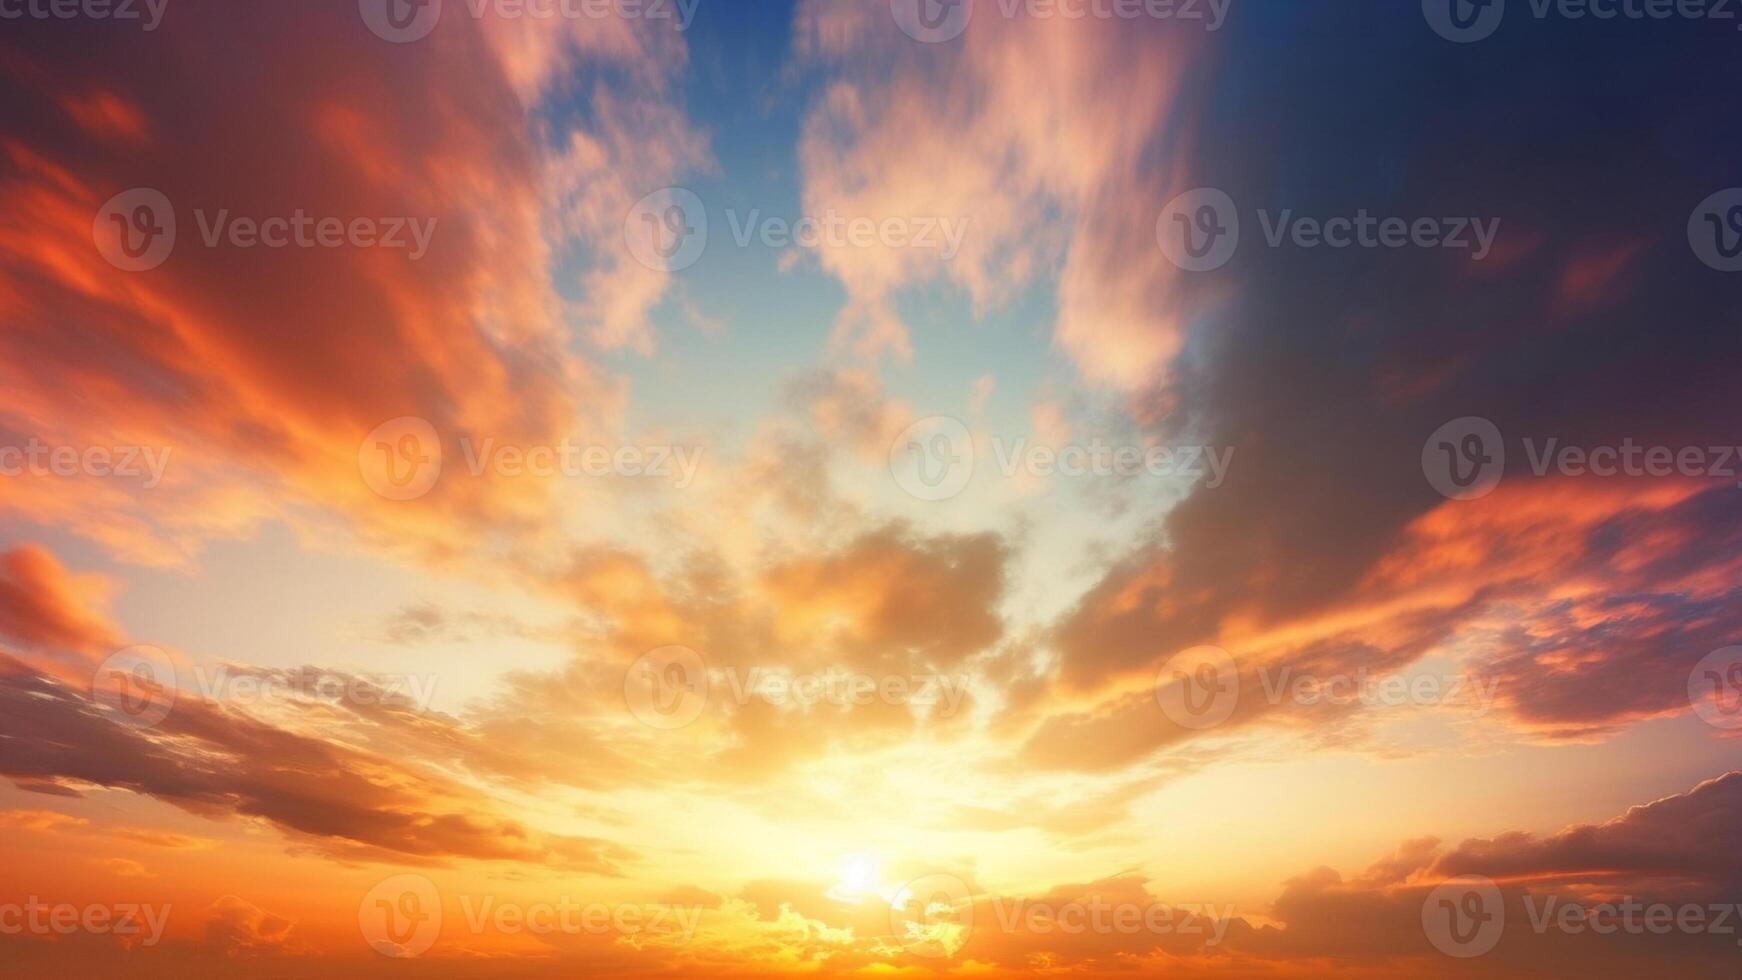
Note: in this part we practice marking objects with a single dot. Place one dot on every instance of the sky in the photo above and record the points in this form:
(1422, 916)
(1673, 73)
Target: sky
(915, 488)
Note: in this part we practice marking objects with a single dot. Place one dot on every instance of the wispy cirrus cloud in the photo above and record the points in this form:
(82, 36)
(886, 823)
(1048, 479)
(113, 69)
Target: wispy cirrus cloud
(1058, 183)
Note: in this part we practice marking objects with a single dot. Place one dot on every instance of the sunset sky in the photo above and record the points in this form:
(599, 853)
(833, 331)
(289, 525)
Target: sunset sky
(868, 487)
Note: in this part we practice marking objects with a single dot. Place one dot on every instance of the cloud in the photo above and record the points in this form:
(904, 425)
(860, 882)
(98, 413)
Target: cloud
(284, 760)
(44, 607)
(1668, 851)
(888, 603)
(1585, 599)
(222, 763)
(1681, 844)
(1057, 182)
(240, 928)
(259, 390)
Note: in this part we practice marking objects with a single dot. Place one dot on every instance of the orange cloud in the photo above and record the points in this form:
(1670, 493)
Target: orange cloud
(259, 389)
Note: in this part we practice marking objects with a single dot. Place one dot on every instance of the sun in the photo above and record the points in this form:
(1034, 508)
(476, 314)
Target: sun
(859, 879)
